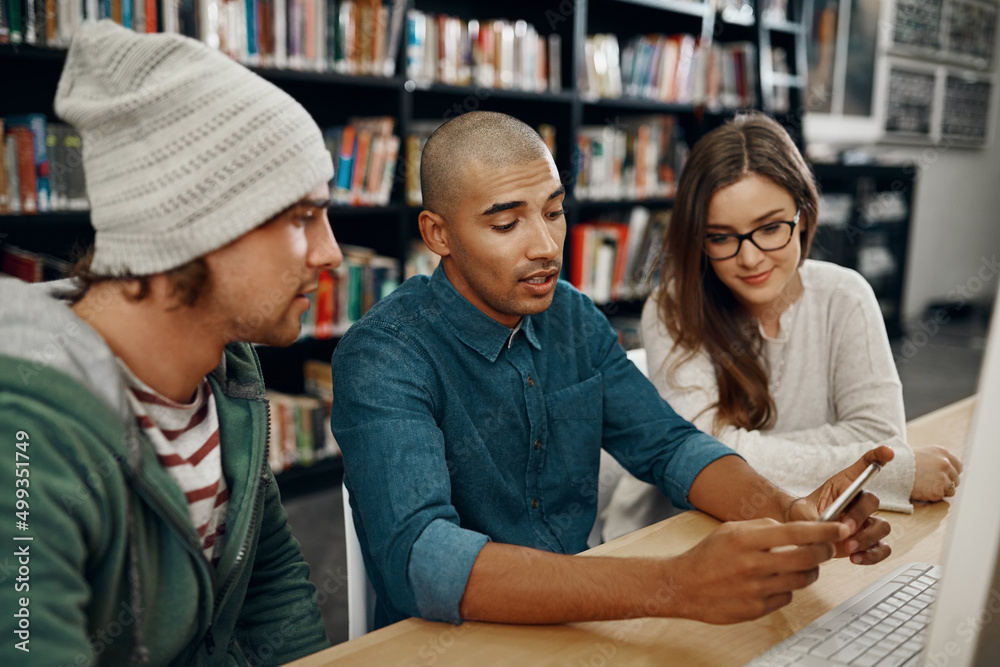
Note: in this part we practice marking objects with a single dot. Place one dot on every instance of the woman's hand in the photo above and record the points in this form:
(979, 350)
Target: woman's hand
(937, 473)
(864, 543)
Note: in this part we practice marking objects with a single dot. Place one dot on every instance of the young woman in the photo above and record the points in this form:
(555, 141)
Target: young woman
(784, 359)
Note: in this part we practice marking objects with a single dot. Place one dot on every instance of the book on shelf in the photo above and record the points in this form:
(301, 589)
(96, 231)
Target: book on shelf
(617, 260)
(34, 127)
(365, 153)
(775, 11)
(31, 267)
(5, 36)
(671, 69)
(10, 169)
(40, 176)
(346, 293)
(67, 169)
(498, 53)
(20, 143)
(4, 181)
(630, 158)
(601, 76)
(420, 132)
(30, 17)
(300, 425)
(346, 36)
(46, 22)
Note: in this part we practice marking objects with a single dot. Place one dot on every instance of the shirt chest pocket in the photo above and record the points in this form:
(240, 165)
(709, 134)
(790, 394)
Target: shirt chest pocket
(573, 453)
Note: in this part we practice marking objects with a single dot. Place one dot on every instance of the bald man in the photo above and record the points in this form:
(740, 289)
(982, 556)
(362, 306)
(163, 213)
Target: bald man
(472, 405)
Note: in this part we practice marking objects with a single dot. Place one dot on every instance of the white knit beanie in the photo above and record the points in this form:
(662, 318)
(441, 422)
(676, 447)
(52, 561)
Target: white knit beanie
(184, 150)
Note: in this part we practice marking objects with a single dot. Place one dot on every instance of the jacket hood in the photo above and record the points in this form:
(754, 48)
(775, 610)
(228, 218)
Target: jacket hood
(38, 326)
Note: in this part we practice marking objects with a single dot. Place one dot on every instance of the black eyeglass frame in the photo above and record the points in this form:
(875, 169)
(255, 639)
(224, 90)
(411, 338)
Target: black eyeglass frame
(749, 237)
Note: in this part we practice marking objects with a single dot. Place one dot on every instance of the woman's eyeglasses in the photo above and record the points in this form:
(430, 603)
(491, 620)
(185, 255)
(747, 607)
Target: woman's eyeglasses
(770, 237)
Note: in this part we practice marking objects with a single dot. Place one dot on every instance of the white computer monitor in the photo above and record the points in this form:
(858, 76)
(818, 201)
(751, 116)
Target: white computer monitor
(966, 624)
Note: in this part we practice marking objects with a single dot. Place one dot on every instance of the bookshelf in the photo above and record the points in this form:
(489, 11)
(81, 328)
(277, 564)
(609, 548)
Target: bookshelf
(865, 213)
(549, 94)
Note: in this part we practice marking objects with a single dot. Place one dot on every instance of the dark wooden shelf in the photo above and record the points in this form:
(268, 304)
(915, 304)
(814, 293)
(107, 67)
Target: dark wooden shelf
(53, 218)
(675, 6)
(328, 78)
(502, 93)
(641, 104)
(31, 52)
(787, 27)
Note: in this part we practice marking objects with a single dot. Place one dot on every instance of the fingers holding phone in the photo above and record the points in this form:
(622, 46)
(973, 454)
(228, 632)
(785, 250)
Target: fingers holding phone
(746, 569)
(842, 498)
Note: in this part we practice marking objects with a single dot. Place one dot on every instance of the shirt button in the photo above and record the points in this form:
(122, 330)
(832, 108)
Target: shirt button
(531, 383)
(538, 444)
(534, 503)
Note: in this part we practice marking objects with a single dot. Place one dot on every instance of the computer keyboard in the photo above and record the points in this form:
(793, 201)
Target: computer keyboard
(884, 625)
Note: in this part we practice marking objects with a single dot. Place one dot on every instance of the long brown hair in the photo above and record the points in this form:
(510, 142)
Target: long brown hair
(698, 310)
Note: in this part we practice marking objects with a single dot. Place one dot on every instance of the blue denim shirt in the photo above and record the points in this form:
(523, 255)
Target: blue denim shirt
(456, 431)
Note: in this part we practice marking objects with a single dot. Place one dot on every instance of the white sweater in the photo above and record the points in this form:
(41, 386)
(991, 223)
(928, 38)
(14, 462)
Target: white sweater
(834, 384)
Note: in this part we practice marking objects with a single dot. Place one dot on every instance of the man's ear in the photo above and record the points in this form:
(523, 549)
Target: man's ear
(434, 229)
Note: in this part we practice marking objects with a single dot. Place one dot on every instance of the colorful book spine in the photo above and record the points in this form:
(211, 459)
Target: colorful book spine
(15, 21)
(394, 37)
(332, 20)
(416, 36)
(252, 33)
(4, 23)
(4, 182)
(27, 188)
(56, 174)
(342, 193)
(151, 20)
(76, 187)
(48, 19)
(10, 165)
(36, 125)
(280, 33)
(361, 160)
(324, 315)
(30, 18)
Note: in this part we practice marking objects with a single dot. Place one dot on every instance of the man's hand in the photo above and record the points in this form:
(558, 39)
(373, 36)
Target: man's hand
(865, 532)
(747, 569)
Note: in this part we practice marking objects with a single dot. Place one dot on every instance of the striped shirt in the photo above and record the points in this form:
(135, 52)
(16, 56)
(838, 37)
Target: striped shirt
(186, 439)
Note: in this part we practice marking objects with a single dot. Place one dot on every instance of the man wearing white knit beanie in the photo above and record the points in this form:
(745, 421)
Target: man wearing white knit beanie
(156, 534)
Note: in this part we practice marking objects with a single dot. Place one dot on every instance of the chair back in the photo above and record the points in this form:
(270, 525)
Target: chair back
(360, 594)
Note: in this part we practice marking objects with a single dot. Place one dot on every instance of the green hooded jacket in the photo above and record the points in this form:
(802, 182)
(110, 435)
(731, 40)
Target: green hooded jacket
(101, 563)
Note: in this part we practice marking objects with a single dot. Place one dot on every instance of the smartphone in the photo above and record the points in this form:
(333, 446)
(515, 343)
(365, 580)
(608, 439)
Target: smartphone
(845, 498)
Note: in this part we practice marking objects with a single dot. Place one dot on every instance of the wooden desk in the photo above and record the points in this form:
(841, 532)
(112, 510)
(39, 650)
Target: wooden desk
(655, 641)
